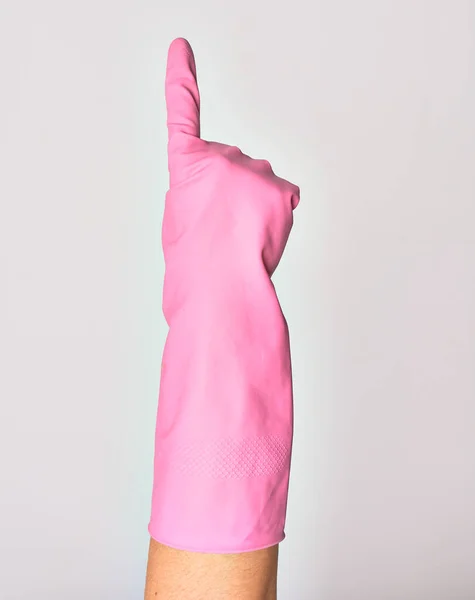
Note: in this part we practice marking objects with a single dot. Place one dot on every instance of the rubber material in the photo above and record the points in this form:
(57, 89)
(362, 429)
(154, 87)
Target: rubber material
(225, 420)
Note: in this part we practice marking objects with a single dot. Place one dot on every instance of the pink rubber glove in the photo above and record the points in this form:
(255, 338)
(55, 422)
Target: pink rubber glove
(224, 423)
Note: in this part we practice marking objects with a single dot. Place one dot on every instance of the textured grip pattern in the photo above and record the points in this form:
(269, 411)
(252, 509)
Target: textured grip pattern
(228, 458)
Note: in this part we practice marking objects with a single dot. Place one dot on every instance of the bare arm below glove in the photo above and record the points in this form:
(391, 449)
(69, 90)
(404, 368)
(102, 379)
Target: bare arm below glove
(181, 575)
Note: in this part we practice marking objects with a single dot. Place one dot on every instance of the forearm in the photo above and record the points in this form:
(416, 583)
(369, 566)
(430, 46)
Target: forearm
(181, 575)
(224, 423)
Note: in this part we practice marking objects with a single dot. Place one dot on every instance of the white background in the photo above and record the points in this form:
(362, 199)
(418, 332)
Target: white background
(369, 107)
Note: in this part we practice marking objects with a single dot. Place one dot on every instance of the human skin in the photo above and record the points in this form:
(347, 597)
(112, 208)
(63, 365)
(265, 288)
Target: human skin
(182, 575)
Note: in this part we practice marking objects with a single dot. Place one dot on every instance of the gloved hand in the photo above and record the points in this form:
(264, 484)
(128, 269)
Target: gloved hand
(224, 423)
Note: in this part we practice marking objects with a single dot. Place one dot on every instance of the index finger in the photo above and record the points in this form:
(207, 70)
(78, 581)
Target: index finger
(181, 90)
